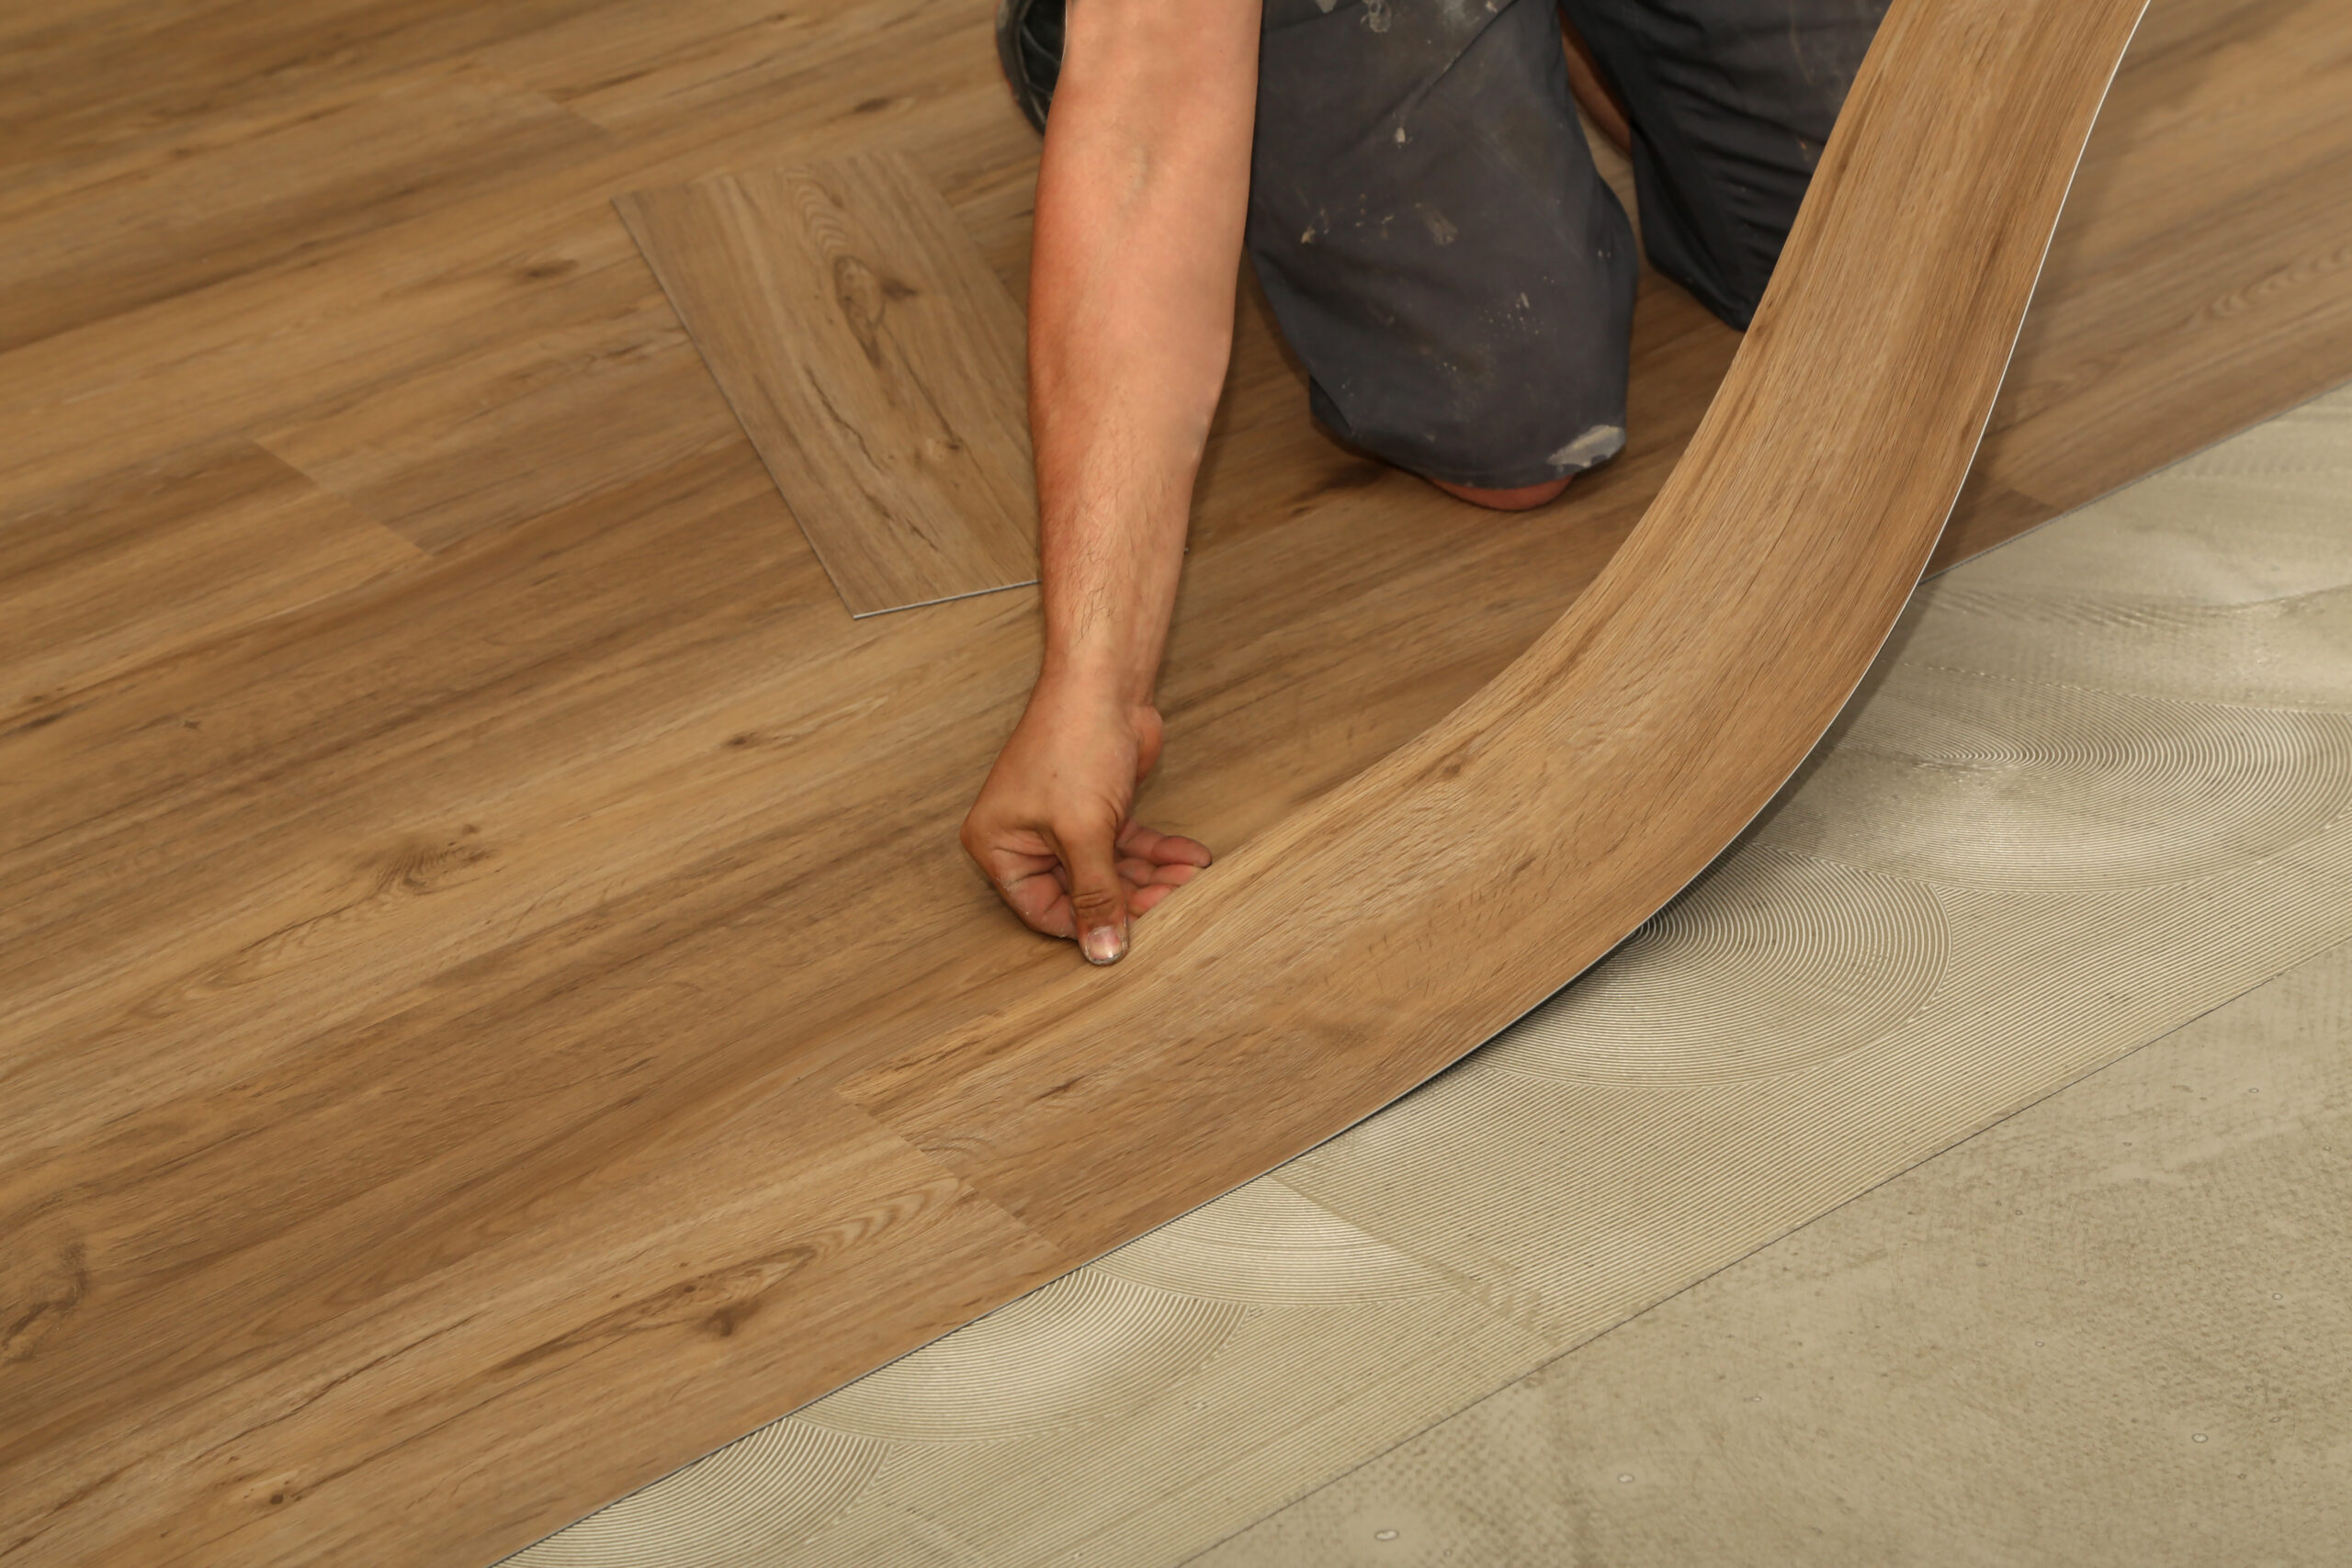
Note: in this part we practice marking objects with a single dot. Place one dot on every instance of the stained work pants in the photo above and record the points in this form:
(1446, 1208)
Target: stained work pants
(1441, 253)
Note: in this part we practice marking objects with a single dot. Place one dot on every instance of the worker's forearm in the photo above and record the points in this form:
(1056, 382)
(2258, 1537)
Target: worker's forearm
(1140, 204)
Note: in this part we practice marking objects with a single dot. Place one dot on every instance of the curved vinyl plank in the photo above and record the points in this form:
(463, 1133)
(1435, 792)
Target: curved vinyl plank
(1371, 939)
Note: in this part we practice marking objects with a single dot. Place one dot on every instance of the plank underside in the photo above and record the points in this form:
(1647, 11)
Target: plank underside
(873, 360)
(456, 844)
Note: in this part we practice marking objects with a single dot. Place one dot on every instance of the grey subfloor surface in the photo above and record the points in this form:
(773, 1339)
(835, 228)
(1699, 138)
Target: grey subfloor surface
(2113, 1330)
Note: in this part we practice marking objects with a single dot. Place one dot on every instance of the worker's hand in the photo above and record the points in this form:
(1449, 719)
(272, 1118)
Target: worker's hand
(1051, 827)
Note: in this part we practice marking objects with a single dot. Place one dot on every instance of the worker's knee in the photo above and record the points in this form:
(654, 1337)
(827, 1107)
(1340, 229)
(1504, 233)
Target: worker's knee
(1508, 439)
(1524, 498)
(1436, 243)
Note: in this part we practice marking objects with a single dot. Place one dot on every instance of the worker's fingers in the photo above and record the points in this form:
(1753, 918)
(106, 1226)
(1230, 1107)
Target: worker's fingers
(1010, 863)
(1056, 884)
(1148, 884)
(1162, 849)
(1143, 895)
(1098, 899)
(1173, 848)
(1143, 874)
(1030, 884)
(1042, 904)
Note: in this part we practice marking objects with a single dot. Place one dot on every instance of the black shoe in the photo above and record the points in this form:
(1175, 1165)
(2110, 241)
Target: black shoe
(1029, 47)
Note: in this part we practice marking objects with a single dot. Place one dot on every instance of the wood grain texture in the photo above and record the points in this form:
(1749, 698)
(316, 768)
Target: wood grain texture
(166, 554)
(2218, 182)
(133, 228)
(363, 903)
(873, 360)
(1374, 938)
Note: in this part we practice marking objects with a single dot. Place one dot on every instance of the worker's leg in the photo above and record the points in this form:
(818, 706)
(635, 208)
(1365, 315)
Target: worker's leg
(1730, 102)
(1436, 243)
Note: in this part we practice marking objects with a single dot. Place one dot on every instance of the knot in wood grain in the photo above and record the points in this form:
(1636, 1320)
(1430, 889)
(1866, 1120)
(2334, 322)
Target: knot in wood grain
(863, 295)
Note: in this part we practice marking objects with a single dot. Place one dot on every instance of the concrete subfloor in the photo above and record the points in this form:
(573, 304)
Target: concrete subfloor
(2115, 1328)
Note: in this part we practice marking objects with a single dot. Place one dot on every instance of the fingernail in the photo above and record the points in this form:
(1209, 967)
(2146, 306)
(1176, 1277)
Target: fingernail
(1105, 944)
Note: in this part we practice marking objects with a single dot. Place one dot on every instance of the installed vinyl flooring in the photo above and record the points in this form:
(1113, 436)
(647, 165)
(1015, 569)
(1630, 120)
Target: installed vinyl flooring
(450, 827)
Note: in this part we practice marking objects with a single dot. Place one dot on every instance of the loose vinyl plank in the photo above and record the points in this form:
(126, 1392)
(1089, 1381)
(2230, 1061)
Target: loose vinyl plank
(873, 360)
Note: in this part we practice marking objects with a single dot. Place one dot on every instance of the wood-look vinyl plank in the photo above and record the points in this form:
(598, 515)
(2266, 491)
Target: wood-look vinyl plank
(933, 61)
(632, 68)
(514, 427)
(2189, 356)
(259, 738)
(265, 345)
(589, 580)
(308, 783)
(277, 916)
(255, 350)
(164, 555)
(178, 225)
(923, 88)
(82, 83)
(447, 1325)
(2273, 76)
(339, 946)
(600, 1010)
(873, 358)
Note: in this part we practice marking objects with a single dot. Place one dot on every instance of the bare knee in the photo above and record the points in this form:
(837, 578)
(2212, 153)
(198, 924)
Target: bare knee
(1521, 499)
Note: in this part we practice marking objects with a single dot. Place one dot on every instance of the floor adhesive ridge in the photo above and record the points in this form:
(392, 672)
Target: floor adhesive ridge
(1893, 958)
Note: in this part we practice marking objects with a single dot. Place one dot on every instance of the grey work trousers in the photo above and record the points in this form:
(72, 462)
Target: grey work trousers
(1441, 253)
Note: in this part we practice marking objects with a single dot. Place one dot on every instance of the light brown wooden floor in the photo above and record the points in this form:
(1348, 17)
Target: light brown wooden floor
(874, 359)
(452, 828)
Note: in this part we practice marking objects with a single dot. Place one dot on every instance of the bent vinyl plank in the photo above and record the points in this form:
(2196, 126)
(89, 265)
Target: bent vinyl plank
(873, 359)
(1368, 941)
